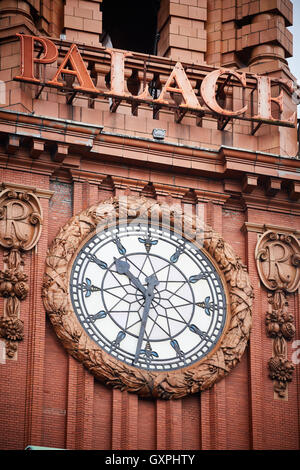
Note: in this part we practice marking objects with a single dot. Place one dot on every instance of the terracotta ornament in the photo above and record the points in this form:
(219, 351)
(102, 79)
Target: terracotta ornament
(278, 261)
(20, 229)
(159, 384)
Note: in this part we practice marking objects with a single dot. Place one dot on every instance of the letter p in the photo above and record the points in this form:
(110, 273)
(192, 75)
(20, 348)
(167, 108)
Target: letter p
(49, 55)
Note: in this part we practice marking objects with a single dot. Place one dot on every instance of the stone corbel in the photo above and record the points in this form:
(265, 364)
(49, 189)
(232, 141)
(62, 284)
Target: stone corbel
(12, 144)
(36, 148)
(249, 183)
(20, 230)
(273, 186)
(278, 262)
(59, 152)
(294, 191)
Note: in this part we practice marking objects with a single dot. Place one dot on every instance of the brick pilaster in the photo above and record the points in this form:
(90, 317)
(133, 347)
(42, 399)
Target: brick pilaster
(181, 25)
(263, 35)
(83, 21)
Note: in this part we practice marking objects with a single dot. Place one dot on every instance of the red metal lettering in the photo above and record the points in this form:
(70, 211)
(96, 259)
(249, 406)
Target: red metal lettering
(209, 91)
(50, 54)
(79, 70)
(117, 72)
(184, 88)
(178, 85)
(265, 98)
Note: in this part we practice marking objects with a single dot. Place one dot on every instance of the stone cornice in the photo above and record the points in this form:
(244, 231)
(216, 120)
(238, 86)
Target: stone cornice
(39, 192)
(261, 228)
(260, 163)
(41, 127)
(281, 205)
(57, 144)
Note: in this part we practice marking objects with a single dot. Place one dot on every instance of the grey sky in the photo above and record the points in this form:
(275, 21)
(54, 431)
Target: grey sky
(294, 62)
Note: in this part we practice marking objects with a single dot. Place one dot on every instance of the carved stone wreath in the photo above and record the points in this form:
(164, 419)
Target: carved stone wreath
(167, 385)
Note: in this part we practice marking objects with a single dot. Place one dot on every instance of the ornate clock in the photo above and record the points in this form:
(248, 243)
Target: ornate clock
(144, 307)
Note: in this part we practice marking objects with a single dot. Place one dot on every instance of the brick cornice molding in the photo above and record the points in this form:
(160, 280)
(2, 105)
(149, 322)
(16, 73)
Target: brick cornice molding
(239, 161)
(273, 205)
(213, 196)
(88, 140)
(16, 123)
(262, 228)
(39, 192)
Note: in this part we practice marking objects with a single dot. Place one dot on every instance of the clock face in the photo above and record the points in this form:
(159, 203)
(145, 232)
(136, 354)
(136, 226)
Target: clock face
(148, 297)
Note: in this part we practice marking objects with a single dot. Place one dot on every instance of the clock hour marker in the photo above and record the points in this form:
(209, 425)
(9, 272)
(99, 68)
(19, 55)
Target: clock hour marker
(175, 345)
(148, 242)
(96, 260)
(88, 287)
(174, 258)
(116, 343)
(197, 277)
(148, 353)
(207, 305)
(121, 248)
(200, 333)
(97, 316)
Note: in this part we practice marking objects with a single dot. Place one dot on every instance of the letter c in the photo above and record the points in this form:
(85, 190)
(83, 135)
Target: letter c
(208, 91)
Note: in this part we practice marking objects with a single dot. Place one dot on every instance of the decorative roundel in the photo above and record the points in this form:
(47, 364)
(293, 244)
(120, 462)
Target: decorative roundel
(145, 307)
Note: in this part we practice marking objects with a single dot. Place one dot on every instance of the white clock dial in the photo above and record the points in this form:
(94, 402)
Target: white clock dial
(148, 297)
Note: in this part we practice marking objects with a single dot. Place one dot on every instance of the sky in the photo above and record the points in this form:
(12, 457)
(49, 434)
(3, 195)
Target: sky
(294, 62)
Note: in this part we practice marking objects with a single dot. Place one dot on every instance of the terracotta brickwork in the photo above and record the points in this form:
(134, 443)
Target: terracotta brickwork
(73, 153)
(83, 21)
(182, 30)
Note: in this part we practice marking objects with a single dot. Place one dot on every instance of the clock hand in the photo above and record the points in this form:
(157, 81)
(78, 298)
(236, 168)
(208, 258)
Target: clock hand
(123, 268)
(152, 282)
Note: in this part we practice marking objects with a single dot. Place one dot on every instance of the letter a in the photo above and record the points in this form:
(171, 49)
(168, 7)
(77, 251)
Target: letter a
(78, 69)
(184, 87)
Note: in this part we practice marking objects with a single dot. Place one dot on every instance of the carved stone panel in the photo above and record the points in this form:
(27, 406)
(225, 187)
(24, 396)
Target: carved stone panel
(20, 229)
(20, 219)
(278, 260)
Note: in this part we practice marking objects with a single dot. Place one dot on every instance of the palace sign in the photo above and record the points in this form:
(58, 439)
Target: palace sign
(177, 91)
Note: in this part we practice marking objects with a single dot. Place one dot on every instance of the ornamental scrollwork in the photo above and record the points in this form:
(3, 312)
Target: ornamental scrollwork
(166, 384)
(20, 228)
(278, 260)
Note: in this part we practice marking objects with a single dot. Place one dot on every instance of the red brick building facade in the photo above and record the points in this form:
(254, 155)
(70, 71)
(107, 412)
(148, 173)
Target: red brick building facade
(64, 151)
